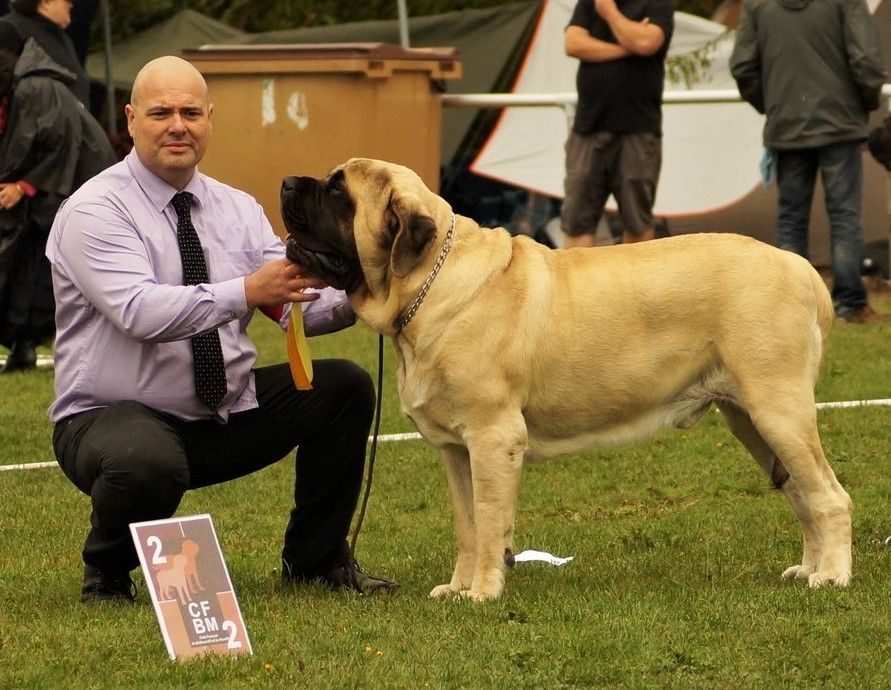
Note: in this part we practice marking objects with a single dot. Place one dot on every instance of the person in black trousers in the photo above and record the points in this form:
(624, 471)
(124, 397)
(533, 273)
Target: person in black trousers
(157, 271)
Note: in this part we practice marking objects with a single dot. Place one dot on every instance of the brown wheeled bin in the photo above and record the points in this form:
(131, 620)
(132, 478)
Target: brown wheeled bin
(284, 110)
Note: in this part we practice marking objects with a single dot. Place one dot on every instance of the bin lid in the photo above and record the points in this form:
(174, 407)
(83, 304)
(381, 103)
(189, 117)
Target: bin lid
(369, 58)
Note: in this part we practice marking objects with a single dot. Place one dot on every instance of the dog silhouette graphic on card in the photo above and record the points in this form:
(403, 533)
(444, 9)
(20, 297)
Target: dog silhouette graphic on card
(180, 574)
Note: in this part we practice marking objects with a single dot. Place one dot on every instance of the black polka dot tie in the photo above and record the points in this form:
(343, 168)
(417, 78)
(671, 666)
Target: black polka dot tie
(207, 354)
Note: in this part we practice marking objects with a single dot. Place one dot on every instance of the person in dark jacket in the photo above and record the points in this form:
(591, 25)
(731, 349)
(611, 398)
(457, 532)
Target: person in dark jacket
(815, 70)
(49, 146)
(45, 21)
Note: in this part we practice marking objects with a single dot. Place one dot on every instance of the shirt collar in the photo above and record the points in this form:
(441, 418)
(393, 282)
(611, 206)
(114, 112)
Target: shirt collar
(157, 190)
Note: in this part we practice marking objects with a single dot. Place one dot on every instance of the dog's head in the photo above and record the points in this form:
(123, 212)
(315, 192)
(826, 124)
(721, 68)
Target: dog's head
(366, 225)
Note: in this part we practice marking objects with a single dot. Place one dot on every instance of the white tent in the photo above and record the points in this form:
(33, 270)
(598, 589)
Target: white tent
(710, 175)
(703, 167)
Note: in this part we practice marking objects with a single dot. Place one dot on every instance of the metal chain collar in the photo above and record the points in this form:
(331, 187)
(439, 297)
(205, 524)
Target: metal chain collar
(406, 316)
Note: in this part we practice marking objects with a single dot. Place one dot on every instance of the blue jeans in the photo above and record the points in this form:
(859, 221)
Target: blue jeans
(841, 170)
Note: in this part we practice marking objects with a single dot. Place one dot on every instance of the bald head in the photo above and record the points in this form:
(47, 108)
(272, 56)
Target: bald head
(169, 118)
(165, 72)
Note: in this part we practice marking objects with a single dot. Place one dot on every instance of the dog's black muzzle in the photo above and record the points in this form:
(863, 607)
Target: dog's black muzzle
(299, 203)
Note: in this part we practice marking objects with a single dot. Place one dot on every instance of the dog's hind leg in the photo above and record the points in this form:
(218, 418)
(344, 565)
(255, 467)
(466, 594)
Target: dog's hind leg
(457, 466)
(829, 508)
(788, 425)
(741, 426)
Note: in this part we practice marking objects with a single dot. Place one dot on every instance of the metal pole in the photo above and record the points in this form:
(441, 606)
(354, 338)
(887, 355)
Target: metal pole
(109, 80)
(403, 24)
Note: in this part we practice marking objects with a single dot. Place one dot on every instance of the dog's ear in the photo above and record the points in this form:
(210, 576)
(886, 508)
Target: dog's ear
(413, 231)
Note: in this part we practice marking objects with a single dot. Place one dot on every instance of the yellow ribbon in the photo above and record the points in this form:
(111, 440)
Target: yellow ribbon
(298, 350)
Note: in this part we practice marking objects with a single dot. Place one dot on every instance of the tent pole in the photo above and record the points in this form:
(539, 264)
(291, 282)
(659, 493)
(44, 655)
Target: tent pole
(403, 24)
(109, 80)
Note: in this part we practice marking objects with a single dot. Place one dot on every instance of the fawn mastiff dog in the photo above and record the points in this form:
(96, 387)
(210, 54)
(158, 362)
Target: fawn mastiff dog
(509, 351)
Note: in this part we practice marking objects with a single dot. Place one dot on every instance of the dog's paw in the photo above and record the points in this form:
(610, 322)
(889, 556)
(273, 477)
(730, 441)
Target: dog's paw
(798, 572)
(819, 579)
(477, 595)
(443, 592)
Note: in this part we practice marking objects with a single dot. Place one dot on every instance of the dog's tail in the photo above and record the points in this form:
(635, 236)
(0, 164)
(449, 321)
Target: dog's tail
(824, 316)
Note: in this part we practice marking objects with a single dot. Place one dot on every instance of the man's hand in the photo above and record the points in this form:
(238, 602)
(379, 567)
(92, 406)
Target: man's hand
(606, 9)
(279, 282)
(10, 195)
(610, 12)
(637, 37)
(578, 43)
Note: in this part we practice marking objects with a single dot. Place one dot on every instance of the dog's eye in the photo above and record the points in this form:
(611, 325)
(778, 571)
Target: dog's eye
(335, 184)
(392, 220)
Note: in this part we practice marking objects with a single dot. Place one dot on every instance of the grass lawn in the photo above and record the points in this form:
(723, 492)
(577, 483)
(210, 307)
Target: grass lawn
(678, 544)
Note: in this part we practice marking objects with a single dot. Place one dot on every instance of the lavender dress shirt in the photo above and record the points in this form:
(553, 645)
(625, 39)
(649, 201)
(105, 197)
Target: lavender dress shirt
(123, 315)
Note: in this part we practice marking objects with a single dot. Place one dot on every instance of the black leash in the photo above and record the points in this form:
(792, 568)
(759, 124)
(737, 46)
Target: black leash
(373, 453)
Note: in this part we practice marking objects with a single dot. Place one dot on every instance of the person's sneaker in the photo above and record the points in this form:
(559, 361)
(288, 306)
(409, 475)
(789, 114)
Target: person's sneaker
(101, 585)
(865, 315)
(346, 576)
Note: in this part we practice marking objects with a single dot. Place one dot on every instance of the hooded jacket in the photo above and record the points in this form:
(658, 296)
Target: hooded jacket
(813, 67)
(50, 140)
(16, 29)
(55, 145)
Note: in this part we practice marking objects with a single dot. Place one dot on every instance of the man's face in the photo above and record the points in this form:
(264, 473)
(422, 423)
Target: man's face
(57, 11)
(170, 122)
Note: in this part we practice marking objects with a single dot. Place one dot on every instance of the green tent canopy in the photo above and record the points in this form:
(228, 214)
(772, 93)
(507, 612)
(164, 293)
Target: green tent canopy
(490, 43)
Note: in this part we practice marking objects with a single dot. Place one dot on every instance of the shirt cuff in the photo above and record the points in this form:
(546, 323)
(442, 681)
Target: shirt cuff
(230, 298)
(331, 312)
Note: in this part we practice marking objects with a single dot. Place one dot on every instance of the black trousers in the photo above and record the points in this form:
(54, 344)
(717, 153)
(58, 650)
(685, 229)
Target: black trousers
(135, 463)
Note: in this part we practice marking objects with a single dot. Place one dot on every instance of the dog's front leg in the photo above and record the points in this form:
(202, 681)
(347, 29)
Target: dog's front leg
(496, 462)
(457, 466)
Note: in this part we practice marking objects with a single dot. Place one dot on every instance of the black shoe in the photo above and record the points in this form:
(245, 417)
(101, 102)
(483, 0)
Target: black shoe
(22, 356)
(346, 576)
(101, 585)
(866, 315)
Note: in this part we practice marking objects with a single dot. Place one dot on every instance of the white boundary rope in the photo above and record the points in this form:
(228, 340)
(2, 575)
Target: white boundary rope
(383, 438)
(43, 361)
(845, 404)
(413, 436)
(27, 466)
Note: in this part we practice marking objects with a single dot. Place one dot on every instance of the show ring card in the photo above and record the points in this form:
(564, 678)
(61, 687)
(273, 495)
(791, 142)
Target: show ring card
(190, 587)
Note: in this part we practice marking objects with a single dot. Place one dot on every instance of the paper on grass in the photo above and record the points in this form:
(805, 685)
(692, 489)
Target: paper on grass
(541, 556)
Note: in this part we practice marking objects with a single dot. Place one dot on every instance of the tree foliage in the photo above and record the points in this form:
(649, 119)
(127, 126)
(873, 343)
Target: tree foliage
(690, 68)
